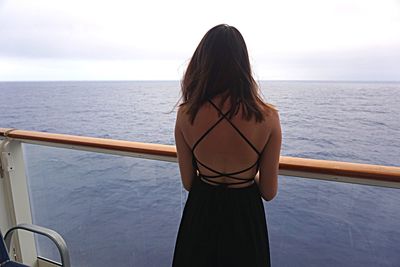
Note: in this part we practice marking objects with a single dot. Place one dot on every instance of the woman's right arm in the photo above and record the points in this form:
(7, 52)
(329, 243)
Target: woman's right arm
(269, 162)
(184, 153)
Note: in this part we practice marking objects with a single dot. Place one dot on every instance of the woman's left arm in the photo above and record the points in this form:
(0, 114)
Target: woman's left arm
(184, 155)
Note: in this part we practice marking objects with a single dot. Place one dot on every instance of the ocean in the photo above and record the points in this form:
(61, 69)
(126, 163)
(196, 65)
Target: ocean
(121, 211)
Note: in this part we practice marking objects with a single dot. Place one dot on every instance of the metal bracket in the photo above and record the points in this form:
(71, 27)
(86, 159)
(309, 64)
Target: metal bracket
(6, 163)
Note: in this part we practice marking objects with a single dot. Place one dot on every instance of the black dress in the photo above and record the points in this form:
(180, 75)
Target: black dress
(222, 226)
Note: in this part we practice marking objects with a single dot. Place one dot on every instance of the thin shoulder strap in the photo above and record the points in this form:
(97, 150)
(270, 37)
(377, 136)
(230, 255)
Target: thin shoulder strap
(233, 125)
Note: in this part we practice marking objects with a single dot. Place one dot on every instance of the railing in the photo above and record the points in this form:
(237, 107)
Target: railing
(386, 176)
(14, 199)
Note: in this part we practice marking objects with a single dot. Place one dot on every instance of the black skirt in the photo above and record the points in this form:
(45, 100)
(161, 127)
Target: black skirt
(221, 227)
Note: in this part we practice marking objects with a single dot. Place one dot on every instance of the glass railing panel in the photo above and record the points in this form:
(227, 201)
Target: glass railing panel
(111, 210)
(323, 223)
(126, 211)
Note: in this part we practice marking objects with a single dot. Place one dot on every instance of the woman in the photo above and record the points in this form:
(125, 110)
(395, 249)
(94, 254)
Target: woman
(228, 143)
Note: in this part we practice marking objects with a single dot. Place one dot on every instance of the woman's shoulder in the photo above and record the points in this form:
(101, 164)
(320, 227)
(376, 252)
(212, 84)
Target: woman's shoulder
(273, 120)
(269, 111)
(181, 115)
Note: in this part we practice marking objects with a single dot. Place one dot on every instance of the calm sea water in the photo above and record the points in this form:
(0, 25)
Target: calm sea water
(125, 212)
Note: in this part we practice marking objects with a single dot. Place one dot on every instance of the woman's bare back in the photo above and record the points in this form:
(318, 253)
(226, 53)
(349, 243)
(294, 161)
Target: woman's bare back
(223, 149)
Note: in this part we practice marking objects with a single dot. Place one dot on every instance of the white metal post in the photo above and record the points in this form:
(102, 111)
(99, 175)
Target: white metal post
(15, 201)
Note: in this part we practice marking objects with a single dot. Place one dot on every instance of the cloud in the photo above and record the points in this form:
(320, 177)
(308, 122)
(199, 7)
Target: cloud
(369, 63)
(287, 39)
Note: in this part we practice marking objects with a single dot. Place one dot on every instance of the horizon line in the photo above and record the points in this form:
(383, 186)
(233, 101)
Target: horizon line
(170, 80)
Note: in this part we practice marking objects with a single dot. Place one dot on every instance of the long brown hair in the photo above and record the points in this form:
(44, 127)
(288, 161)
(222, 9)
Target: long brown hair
(220, 65)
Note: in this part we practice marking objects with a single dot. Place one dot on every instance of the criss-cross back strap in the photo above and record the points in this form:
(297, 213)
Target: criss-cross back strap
(220, 174)
(208, 131)
(223, 115)
(195, 161)
(226, 184)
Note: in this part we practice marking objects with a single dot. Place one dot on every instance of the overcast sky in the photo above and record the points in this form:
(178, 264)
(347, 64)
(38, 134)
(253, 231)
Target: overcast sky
(153, 40)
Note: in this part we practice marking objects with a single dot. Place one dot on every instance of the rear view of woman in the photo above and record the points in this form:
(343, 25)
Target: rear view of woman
(228, 142)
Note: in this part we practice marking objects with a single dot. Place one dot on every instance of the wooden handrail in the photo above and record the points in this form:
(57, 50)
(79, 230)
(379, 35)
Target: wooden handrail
(111, 144)
(287, 165)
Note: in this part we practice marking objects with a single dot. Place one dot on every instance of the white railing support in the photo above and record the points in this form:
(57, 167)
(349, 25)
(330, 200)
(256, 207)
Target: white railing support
(15, 206)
